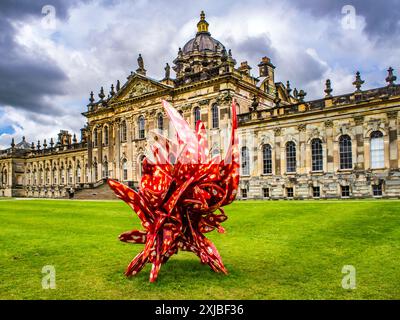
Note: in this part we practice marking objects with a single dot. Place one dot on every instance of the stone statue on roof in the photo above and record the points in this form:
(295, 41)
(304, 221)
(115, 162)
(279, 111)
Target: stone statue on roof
(140, 62)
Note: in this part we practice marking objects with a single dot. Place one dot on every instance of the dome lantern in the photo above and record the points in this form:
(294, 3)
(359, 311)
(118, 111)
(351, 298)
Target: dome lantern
(202, 25)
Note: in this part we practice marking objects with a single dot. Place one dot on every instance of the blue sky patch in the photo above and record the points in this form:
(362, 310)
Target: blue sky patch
(7, 130)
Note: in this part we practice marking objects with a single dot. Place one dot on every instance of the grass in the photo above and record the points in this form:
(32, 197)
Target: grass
(273, 250)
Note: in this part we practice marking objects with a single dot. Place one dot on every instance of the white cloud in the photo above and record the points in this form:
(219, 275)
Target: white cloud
(99, 44)
(34, 125)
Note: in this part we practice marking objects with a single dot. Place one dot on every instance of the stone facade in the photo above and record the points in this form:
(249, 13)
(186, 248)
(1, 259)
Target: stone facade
(326, 121)
(338, 146)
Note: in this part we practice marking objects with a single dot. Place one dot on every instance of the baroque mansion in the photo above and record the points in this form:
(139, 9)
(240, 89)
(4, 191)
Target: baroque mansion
(343, 146)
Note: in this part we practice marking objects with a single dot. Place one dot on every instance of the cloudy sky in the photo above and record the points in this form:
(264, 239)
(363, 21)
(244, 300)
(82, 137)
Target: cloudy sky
(54, 52)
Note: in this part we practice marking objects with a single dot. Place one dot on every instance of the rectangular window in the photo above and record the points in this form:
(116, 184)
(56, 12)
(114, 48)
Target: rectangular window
(124, 131)
(265, 192)
(142, 134)
(215, 116)
(345, 191)
(244, 193)
(316, 192)
(345, 152)
(106, 136)
(316, 155)
(95, 138)
(377, 153)
(125, 174)
(245, 161)
(267, 159)
(377, 190)
(290, 157)
(289, 192)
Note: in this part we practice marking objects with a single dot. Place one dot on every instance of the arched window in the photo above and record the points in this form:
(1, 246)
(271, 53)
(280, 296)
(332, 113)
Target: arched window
(346, 158)
(160, 122)
(316, 155)
(215, 116)
(141, 165)
(377, 150)
(196, 115)
(87, 172)
(41, 175)
(78, 174)
(141, 127)
(105, 168)
(96, 170)
(47, 176)
(34, 177)
(267, 159)
(95, 138)
(106, 136)
(54, 175)
(70, 175)
(5, 177)
(125, 169)
(124, 131)
(28, 174)
(62, 174)
(245, 161)
(290, 157)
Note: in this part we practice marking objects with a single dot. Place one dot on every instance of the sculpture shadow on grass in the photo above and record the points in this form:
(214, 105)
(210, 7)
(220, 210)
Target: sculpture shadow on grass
(184, 271)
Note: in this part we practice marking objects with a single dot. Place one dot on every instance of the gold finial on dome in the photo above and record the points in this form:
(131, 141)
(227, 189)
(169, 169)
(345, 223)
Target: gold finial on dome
(202, 26)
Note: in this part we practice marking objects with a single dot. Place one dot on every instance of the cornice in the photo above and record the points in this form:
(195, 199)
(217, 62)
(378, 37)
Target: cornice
(353, 107)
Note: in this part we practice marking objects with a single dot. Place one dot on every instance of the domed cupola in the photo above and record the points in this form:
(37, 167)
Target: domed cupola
(201, 57)
(203, 40)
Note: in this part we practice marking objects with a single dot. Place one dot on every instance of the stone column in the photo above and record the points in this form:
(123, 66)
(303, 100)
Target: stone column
(394, 156)
(359, 134)
(253, 148)
(329, 150)
(51, 173)
(117, 149)
(90, 154)
(111, 160)
(303, 151)
(278, 153)
(100, 150)
(73, 172)
(386, 145)
(130, 151)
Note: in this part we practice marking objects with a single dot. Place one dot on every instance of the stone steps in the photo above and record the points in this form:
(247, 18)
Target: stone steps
(102, 192)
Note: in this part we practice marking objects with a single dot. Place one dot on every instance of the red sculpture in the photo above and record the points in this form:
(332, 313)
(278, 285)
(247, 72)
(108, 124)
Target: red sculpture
(181, 189)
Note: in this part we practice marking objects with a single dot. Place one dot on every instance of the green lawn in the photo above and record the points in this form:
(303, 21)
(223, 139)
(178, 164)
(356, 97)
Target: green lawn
(273, 250)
